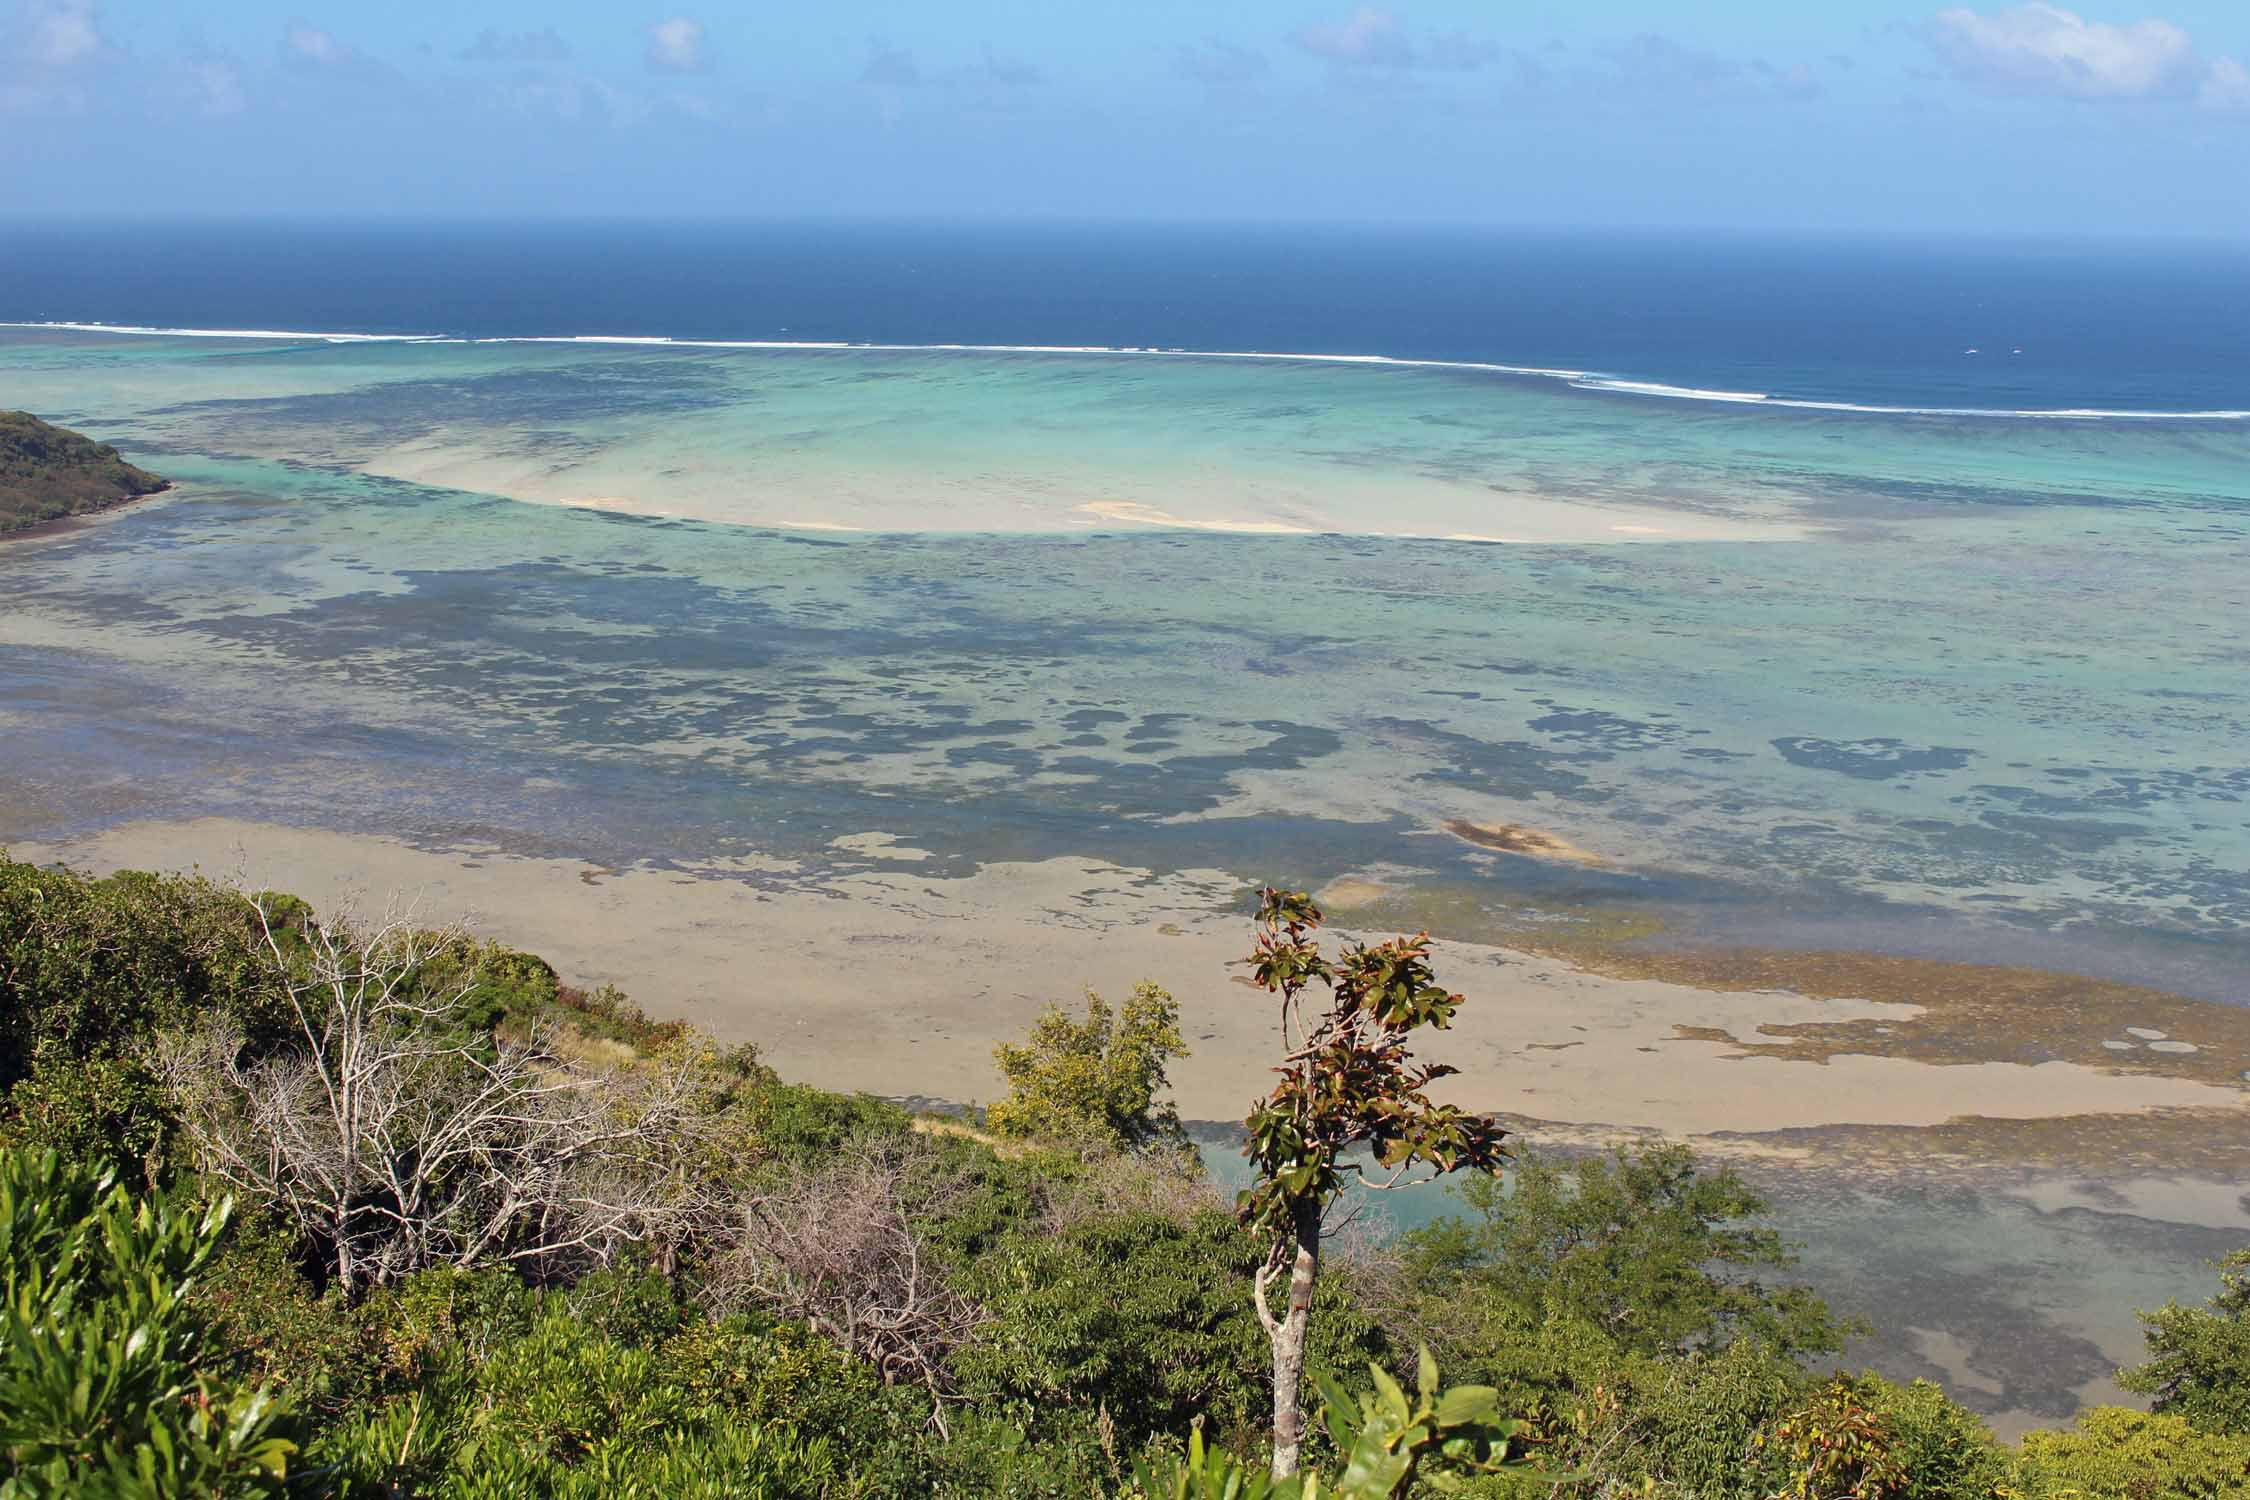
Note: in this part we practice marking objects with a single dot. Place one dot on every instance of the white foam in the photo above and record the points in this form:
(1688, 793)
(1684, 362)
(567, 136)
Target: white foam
(1584, 380)
(1675, 392)
(1127, 351)
(267, 335)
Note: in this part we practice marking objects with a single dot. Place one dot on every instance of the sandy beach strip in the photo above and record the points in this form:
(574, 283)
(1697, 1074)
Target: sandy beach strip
(900, 984)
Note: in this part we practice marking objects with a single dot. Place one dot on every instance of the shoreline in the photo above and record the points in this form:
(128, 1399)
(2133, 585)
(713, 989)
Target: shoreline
(902, 984)
(80, 520)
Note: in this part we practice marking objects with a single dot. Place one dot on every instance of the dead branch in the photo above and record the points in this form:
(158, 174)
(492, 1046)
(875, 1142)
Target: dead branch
(396, 1136)
(835, 1247)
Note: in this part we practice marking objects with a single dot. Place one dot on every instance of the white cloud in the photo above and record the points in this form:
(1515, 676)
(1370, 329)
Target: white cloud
(891, 68)
(1007, 72)
(213, 87)
(63, 34)
(1373, 37)
(49, 53)
(2043, 49)
(2226, 86)
(304, 42)
(675, 45)
(1367, 35)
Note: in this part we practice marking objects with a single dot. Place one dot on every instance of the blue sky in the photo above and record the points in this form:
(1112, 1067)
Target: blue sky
(2000, 118)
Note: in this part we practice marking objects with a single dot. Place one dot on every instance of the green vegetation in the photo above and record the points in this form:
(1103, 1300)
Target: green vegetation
(1346, 1083)
(2115, 1454)
(1641, 1245)
(1097, 1083)
(105, 1378)
(2199, 1357)
(1388, 1444)
(296, 1205)
(48, 472)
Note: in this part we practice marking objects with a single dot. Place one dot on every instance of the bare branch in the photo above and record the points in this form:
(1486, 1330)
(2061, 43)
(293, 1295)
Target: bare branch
(835, 1248)
(396, 1136)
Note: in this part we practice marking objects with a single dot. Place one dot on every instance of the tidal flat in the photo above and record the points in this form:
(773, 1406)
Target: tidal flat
(1873, 815)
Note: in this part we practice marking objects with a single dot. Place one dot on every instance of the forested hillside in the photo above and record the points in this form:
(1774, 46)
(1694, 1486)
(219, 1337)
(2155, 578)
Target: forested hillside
(48, 472)
(298, 1204)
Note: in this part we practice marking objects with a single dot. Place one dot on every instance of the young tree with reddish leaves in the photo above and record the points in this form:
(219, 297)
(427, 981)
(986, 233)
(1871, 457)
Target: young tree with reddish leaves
(1346, 1082)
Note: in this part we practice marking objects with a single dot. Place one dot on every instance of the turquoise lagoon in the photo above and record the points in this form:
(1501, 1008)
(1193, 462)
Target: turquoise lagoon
(1978, 686)
(1967, 686)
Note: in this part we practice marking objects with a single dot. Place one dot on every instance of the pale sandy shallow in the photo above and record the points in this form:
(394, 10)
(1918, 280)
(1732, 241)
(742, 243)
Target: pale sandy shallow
(947, 493)
(901, 984)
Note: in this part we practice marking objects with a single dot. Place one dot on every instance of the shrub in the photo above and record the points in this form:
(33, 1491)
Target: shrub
(557, 1408)
(1385, 1442)
(268, 1326)
(89, 1108)
(1093, 1084)
(88, 969)
(1142, 1319)
(2199, 1357)
(2118, 1454)
(101, 1387)
(1944, 1449)
(801, 1125)
(1643, 1244)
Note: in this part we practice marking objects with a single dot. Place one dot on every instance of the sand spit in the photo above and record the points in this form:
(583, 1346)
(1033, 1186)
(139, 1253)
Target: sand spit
(902, 984)
(868, 491)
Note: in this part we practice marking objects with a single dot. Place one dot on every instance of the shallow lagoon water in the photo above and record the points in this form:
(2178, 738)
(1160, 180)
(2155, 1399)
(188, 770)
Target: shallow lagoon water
(1990, 702)
(2000, 687)
(2023, 1310)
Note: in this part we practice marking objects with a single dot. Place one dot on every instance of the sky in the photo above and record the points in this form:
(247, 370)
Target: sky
(1847, 115)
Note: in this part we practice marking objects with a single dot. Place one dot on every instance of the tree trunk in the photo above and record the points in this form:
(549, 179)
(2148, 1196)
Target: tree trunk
(346, 1268)
(1288, 1336)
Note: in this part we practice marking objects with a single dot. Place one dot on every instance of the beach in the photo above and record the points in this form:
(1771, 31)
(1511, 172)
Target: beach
(901, 985)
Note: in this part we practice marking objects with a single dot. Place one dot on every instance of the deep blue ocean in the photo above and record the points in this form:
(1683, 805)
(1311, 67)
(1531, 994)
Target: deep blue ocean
(1905, 322)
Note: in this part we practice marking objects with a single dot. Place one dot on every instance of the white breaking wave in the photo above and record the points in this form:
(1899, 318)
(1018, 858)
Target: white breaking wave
(1124, 350)
(1584, 380)
(286, 335)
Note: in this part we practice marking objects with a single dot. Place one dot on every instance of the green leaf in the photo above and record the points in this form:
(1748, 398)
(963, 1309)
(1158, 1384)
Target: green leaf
(1394, 1399)
(1425, 1372)
(1464, 1404)
(1374, 1471)
(1340, 1410)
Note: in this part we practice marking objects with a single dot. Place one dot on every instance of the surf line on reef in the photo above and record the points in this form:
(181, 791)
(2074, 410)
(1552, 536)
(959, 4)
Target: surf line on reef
(1582, 380)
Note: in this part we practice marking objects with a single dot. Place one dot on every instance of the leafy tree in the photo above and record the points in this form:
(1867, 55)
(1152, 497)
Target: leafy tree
(1346, 1083)
(1140, 1317)
(2199, 1357)
(1094, 1083)
(1639, 1243)
(102, 1387)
